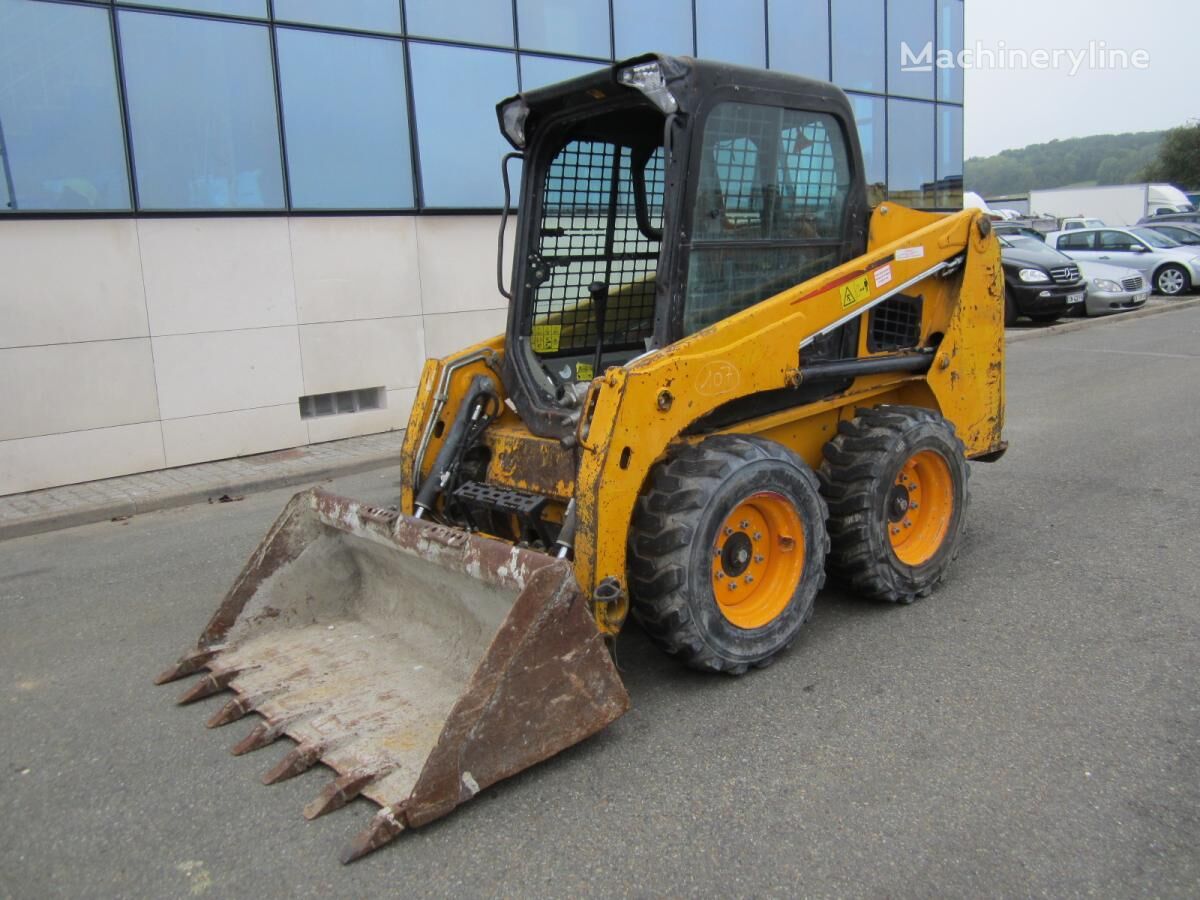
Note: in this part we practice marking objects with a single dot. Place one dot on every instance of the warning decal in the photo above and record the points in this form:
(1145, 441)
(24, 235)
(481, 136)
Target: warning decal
(857, 290)
(883, 275)
(545, 338)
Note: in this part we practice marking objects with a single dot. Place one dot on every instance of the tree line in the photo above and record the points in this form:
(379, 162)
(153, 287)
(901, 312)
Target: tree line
(1171, 156)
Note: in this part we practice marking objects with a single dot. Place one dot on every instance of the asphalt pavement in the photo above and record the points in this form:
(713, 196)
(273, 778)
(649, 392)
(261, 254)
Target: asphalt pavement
(1032, 729)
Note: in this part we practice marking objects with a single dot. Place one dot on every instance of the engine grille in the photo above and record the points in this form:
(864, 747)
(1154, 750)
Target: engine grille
(1065, 274)
(895, 324)
(1133, 284)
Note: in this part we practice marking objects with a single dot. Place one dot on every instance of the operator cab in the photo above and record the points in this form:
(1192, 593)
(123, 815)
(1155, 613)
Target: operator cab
(659, 197)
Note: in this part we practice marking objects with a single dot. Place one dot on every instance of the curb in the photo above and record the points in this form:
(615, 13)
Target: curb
(1080, 324)
(89, 515)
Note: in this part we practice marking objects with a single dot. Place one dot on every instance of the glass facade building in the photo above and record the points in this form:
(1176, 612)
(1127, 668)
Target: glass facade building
(228, 106)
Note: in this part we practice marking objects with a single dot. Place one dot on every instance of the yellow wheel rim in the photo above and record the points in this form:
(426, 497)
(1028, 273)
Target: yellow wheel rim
(920, 506)
(757, 559)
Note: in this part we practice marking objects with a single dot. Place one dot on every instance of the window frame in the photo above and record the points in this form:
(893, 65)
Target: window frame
(687, 242)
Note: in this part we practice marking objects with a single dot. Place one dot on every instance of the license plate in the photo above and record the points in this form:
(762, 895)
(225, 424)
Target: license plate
(1142, 297)
(1075, 298)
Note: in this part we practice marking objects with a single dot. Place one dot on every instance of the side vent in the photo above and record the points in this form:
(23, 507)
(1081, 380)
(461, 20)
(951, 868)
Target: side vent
(341, 402)
(895, 324)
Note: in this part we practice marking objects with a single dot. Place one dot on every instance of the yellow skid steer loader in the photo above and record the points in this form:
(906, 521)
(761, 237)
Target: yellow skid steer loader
(723, 375)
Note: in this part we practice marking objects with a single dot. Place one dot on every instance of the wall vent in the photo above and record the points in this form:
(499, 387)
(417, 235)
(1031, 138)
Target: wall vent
(315, 406)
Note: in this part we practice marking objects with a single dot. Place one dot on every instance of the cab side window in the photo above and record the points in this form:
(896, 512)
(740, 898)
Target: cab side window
(770, 201)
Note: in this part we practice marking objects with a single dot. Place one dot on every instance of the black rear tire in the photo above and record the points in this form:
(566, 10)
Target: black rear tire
(678, 527)
(860, 477)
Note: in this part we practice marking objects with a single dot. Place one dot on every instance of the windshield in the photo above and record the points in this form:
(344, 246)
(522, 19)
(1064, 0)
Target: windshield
(1154, 239)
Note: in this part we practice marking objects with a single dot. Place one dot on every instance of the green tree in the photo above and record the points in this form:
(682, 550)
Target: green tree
(1178, 158)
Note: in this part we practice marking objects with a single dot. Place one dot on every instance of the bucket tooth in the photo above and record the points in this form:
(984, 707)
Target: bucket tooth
(338, 793)
(188, 664)
(261, 736)
(297, 761)
(384, 827)
(212, 683)
(231, 712)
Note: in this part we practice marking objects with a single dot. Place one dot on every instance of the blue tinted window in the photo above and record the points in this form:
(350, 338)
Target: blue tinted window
(949, 155)
(799, 33)
(255, 8)
(870, 115)
(201, 113)
(59, 115)
(345, 121)
(538, 71)
(564, 26)
(487, 22)
(731, 32)
(858, 51)
(911, 153)
(367, 15)
(950, 141)
(911, 47)
(664, 26)
(456, 91)
(950, 37)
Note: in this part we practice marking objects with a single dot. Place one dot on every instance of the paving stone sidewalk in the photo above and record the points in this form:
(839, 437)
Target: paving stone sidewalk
(98, 501)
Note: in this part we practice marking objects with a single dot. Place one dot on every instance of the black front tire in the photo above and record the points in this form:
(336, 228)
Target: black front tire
(1010, 310)
(675, 528)
(859, 477)
(1172, 280)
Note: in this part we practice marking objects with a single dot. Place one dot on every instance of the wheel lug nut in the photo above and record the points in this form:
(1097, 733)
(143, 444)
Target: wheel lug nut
(912, 505)
(758, 535)
(907, 523)
(749, 579)
(895, 531)
(733, 585)
(743, 524)
(728, 531)
(758, 559)
(720, 575)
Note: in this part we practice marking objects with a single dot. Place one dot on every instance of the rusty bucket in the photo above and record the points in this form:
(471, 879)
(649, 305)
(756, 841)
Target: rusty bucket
(421, 663)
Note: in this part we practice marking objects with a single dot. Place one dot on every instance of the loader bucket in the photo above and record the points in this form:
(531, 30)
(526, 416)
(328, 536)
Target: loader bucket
(420, 663)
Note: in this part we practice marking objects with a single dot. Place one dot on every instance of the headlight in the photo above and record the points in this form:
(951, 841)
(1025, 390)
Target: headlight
(513, 116)
(1033, 275)
(648, 78)
(1103, 284)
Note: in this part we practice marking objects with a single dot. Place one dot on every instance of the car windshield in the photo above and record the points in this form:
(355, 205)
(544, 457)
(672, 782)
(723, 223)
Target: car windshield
(1093, 223)
(1154, 239)
(1022, 240)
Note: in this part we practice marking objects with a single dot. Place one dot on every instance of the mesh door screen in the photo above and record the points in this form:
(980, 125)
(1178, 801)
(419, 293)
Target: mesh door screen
(589, 232)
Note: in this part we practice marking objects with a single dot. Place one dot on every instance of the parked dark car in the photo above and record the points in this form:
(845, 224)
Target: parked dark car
(1014, 229)
(1190, 218)
(1039, 282)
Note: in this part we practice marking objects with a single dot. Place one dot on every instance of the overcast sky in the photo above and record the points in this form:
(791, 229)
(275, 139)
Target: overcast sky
(1013, 108)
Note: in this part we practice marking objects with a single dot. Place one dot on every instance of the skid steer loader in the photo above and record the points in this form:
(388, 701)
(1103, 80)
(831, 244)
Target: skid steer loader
(723, 375)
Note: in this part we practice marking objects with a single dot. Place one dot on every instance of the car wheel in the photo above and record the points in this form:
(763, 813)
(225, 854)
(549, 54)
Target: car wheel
(1172, 280)
(1010, 310)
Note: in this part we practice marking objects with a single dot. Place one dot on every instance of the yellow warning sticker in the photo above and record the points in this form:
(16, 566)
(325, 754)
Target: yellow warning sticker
(545, 338)
(857, 290)
(583, 371)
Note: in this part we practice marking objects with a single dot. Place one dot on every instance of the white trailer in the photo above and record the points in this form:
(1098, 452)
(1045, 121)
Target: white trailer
(1118, 204)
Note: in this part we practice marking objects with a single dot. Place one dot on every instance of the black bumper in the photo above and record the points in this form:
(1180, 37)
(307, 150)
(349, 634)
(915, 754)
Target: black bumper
(1044, 299)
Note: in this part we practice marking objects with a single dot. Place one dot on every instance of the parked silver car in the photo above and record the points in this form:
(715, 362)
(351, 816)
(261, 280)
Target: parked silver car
(1171, 268)
(1180, 232)
(1112, 289)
